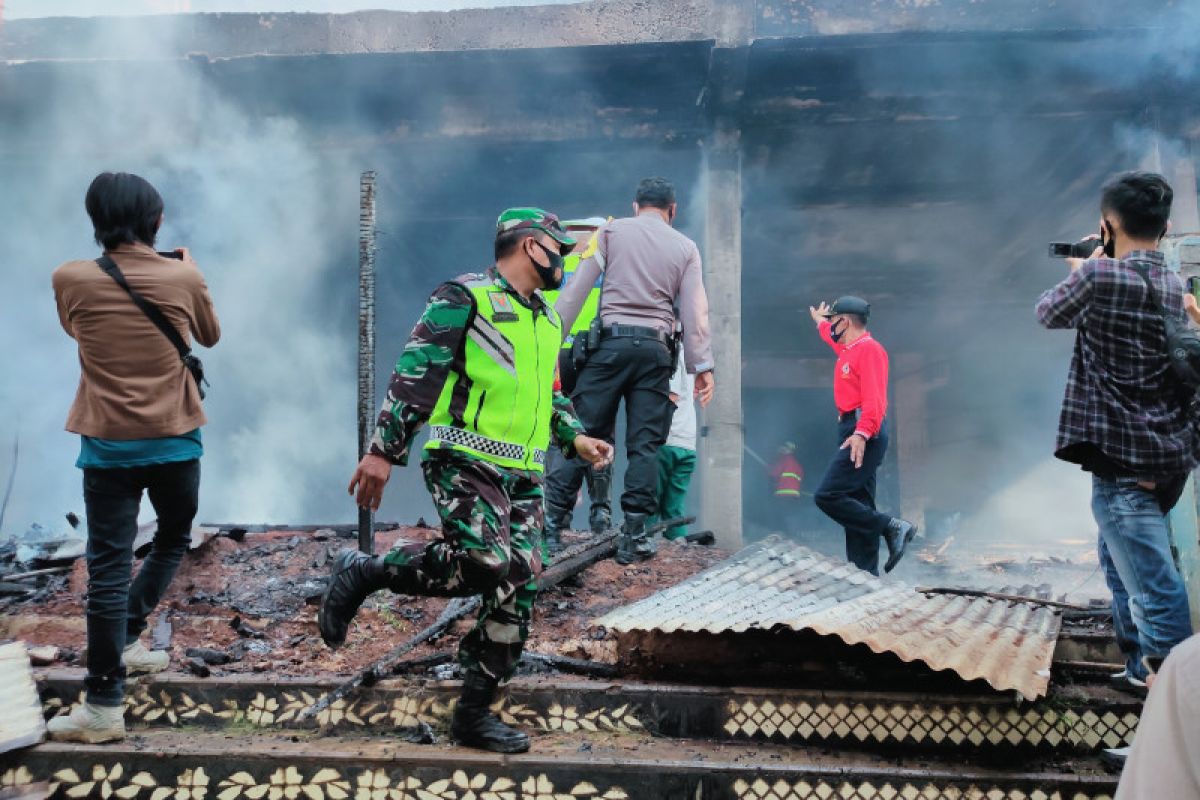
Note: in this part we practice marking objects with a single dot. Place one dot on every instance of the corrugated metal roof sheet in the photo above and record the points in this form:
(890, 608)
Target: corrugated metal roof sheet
(778, 583)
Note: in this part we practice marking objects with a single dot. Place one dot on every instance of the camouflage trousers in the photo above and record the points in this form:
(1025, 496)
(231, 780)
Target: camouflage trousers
(490, 546)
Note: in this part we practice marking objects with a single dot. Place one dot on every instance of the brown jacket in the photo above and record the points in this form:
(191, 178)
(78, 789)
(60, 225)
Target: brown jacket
(133, 384)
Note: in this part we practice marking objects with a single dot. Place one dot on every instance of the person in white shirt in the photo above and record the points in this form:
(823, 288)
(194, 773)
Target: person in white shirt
(677, 458)
(1164, 760)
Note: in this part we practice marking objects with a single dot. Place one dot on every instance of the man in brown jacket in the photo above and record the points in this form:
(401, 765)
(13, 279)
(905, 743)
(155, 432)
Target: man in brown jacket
(138, 414)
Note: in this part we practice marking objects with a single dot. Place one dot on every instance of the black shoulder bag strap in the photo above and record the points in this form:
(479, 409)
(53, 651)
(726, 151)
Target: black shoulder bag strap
(1182, 343)
(160, 321)
(1154, 301)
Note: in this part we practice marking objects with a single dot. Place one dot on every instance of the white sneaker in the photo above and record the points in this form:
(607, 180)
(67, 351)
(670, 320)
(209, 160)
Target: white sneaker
(89, 724)
(140, 661)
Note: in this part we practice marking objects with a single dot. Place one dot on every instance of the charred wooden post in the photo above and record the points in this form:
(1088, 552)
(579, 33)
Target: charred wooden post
(366, 341)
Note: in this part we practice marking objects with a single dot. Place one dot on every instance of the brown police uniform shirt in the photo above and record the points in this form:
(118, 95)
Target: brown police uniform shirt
(133, 384)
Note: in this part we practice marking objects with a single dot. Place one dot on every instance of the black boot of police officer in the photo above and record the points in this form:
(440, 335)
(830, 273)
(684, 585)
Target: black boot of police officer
(635, 544)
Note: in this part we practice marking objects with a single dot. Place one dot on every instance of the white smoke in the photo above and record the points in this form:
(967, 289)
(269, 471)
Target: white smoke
(267, 214)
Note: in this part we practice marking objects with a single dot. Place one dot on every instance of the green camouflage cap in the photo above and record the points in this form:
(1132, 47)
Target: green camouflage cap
(515, 219)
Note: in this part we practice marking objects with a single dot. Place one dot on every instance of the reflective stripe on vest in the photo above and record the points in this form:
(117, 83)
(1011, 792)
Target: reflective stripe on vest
(499, 408)
(482, 444)
(788, 484)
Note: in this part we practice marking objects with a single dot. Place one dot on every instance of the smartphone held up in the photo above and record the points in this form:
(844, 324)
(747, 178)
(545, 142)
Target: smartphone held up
(1081, 249)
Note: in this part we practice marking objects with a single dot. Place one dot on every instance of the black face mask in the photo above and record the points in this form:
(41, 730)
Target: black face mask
(552, 275)
(1110, 242)
(837, 333)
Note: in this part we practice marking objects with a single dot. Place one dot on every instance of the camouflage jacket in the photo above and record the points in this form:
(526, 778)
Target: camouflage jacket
(434, 350)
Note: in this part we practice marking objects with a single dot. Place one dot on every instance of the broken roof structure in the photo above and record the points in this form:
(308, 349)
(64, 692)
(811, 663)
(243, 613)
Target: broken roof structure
(777, 584)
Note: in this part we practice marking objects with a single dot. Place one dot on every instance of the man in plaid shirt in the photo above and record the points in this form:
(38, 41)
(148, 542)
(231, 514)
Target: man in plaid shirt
(1125, 417)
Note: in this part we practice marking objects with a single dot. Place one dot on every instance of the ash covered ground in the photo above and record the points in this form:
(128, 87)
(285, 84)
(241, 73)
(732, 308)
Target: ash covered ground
(255, 600)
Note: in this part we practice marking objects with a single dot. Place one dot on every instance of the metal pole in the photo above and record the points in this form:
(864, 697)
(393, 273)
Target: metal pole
(366, 341)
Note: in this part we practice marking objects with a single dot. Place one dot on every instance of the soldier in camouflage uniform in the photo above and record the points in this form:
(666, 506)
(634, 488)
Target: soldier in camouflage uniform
(479, 369)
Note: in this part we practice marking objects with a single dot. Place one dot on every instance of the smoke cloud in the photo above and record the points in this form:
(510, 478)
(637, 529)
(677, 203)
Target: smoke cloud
(938, 214)
(938, 210)
(269, 216)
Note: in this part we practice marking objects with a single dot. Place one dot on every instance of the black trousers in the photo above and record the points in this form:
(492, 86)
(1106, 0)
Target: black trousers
(847, 496)
(565, 476)
(116, 608)
(638, 371)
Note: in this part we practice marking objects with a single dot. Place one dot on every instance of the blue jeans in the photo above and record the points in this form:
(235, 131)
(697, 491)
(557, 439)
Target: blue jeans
(1150, 603)
(117, 602)
(847, 496)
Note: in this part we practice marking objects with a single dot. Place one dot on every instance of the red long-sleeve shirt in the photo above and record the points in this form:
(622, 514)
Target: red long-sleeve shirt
(860, 379)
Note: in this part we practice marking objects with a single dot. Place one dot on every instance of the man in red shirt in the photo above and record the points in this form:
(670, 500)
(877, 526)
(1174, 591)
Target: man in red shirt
(847, 492)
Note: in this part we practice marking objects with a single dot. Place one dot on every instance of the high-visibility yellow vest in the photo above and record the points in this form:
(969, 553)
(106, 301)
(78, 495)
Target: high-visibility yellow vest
(499, 408)
(591, 306)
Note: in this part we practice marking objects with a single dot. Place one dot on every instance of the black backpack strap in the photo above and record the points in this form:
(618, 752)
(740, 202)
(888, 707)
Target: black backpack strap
(149, 309)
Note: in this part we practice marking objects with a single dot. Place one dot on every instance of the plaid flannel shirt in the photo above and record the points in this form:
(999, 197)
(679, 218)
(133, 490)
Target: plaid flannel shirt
(1122, 398)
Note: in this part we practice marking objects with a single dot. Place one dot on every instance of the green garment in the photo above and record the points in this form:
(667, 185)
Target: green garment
(675, 468)
(498, 406)
(459, 350)
(490, 545)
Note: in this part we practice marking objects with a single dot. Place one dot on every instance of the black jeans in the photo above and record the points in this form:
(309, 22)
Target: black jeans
(847, 496)
(117, 610)
(638, 371)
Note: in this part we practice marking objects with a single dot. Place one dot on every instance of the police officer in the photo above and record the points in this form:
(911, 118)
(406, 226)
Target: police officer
(847, 492)
(572, 473)
(479, 368)
(649, 269)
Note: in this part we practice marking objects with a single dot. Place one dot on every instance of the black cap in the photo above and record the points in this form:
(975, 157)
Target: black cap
(850, 305)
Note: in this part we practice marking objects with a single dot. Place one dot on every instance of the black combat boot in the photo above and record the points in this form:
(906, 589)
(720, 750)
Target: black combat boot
(897, 535)
(599, 494)
(599, 520)
(474, 724)
(354, 575)
(634, 543)
(557, 520)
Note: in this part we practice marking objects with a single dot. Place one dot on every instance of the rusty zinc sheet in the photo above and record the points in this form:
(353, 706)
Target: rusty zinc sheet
(778, 583)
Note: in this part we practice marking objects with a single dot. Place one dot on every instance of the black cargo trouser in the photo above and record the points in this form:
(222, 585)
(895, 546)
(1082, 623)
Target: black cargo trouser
(637, 370)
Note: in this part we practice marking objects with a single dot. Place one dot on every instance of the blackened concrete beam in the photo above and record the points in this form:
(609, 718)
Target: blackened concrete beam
(238, 35)
(730, 23)
(842, 17)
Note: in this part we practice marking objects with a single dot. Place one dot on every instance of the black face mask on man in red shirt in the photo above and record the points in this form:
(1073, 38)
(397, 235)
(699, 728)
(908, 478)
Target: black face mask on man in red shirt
(837, 333)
